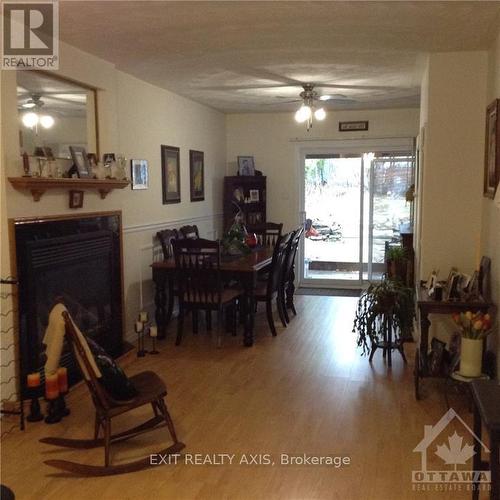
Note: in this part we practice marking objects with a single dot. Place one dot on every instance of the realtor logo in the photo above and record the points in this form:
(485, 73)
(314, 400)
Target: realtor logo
(30, 35)
(455, 454)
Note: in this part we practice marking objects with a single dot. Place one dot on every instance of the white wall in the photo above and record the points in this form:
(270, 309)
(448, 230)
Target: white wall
(490, 238)
(135, 118)
(272, 138)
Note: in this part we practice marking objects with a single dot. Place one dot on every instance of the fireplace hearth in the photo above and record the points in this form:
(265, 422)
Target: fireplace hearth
(77, 260)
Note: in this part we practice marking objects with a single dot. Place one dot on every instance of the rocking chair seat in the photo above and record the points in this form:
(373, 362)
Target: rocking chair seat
(150, 387)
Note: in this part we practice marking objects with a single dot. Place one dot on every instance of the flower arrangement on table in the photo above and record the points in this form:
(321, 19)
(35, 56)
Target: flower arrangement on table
(475, 326)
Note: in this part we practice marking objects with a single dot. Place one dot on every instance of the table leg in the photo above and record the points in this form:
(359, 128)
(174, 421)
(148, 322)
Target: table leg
(424, 341)
(250, 312)
(494, 468)
(476, 461)
(159, 279)
(170, 303)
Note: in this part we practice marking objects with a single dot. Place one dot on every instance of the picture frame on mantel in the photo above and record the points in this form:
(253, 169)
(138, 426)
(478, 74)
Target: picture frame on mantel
(139, 171)
(170, 174)
(197, 175)
(492, 149)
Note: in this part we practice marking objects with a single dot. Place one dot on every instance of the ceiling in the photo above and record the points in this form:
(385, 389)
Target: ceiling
(252, 56)
(59, 97)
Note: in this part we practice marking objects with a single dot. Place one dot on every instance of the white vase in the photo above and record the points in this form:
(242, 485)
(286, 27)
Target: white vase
(471, 356)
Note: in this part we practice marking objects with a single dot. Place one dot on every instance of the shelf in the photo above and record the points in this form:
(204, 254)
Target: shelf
(38, 185)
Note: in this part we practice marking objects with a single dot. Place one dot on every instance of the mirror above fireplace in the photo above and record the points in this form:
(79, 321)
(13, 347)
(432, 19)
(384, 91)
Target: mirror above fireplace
(55, 113)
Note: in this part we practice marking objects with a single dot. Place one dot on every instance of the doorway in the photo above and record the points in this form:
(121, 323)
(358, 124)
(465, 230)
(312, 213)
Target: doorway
(354, 205)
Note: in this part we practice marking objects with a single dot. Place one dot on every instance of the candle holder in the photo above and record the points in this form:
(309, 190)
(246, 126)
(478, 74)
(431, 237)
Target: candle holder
(153, 333)
(62, 409)
(139, 329)
(35, 414)
(53, 414)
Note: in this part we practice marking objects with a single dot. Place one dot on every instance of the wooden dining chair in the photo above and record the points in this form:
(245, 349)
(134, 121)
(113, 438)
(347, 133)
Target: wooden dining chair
(189, 232)
(267, 291)
(286, 289)
(151, 390)
(267, 233)
(165, 237)
(197, 265)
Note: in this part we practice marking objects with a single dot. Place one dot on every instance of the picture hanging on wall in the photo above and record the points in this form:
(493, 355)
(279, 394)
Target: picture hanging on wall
(197, 175)
(492, 149)
(140, 174)
(170, 174)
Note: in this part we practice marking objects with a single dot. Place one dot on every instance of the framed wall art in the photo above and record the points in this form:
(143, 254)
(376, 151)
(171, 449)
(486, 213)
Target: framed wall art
(197, 175)
(170, 174)
(139, 172)
(492, 149)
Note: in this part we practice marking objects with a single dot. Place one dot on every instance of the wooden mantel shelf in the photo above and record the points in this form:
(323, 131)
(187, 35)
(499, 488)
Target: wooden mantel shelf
(38, 185)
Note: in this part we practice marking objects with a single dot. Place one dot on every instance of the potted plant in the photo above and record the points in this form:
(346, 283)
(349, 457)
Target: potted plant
(389, 299)
(473, 329)
(396, 263)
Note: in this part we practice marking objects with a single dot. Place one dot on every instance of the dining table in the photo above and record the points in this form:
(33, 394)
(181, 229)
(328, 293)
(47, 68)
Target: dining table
(244, 269)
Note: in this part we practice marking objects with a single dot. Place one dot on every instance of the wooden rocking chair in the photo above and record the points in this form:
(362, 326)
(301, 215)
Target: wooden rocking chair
(151, 390)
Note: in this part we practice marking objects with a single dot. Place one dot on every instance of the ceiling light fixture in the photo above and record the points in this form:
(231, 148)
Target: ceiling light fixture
(30, 120)
(307, 111)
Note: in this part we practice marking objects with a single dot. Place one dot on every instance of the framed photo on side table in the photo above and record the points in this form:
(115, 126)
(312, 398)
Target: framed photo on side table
(140, 174)
(492, 149)
(197, 175)
(170, 174)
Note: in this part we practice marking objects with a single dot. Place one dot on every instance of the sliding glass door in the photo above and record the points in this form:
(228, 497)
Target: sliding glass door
(354, 204)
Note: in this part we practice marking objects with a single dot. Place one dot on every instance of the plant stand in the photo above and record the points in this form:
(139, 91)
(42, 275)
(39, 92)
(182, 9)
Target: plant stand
(388, 343)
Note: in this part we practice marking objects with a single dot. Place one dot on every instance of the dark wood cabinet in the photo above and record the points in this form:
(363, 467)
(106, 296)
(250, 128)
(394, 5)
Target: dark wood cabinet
(245, 193)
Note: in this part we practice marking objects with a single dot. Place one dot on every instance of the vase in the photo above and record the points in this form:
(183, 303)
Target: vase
(471, 356)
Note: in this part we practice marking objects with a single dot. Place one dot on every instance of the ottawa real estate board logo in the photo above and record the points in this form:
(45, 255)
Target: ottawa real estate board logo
(455, 471)
(30, 35)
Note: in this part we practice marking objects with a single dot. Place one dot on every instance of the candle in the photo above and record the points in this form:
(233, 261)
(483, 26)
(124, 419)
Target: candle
(143, 316)
(62, 379)
(138, 326)
(33, 379)
(153, 331)
(52, 386)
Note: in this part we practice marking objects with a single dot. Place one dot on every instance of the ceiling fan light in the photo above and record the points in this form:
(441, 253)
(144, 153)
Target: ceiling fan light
(320, 114)
(303, 114)
(28, 105)
(47, 121)
(30, 119)
(325, 97)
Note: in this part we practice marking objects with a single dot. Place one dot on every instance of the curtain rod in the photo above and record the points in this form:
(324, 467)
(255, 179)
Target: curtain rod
(312, 139)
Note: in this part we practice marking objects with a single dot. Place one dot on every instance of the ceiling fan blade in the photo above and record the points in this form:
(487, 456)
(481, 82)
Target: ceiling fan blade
(243, 87)
(356, 87)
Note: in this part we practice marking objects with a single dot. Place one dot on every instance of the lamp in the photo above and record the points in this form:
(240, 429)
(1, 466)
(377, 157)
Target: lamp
(307, 111)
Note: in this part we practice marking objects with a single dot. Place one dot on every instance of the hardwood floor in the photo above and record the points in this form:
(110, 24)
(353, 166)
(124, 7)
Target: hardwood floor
(307, 391)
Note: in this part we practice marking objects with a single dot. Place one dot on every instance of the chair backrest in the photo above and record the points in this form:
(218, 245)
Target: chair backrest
(100, 397)
(197, 264)
(189, 232)
(278, 261)
(267, 233)
(292, 252)
(166, 236)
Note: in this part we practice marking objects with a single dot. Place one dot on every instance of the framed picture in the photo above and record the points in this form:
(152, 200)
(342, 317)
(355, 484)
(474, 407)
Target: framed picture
(92, 159)
(170, 174)
(108, 159)
(139, 172)
(80, 160)
(353, 126)
(254, 195)
(197, 175)
(75, 199)
(246, 165)
(492, 149)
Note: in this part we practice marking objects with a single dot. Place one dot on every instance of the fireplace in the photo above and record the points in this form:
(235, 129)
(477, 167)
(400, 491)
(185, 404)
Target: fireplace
(79, 260)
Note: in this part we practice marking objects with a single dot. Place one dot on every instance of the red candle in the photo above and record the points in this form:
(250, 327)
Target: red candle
(52, 386)
(62, 377)
(33, 379)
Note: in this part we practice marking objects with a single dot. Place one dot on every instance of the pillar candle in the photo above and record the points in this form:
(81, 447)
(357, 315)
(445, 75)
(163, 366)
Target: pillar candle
(62, 379)
(138, 326)
(143, 316)
(52, 386)
(33, 379)
(153, 331)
